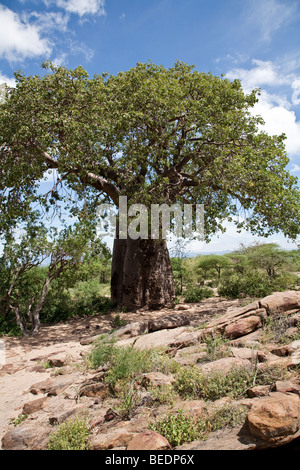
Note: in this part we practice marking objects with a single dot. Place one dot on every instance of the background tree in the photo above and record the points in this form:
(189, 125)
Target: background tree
(24, 288)
(155, 135)
(214, 262)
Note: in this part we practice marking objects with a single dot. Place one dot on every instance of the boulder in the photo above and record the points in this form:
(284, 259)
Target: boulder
(281, 302)
(224, 365)
(27, 436)
(94, 389)
(286, 386)
(274, 417)
(156, 379)
(258, 391)
(131, 330)
(168, 322)
(176, 337)
(52, 386)
(248, 353)
(243, 327)
(148, 440)
(34, 406)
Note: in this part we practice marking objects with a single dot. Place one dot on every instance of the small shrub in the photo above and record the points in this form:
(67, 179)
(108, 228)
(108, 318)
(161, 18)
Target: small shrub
(163, 395)
(117, 322)
(101, 353)
(192, 383)
(227, 416)
(125, 363)
(197, 293)
(128, 401)
(217, 346)
(274, 330)
(71, 435)
(285, 281)
(178, 428)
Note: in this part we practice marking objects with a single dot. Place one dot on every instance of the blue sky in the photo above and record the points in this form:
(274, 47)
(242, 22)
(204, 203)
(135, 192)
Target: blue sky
(257, 41)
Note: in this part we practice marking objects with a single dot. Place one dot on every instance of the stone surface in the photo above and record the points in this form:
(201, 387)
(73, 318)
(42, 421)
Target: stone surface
(224, 365)
(243, 327)
(34, 405)
(156, 379)
(148, 440)
(168, 322)
(248, 353)
(176, 337)
(281, 301)
(131, 330)
(26, 436)
(51, 386)
(274, 417)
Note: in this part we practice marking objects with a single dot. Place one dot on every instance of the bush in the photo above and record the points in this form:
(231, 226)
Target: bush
(192, 383)
(181, 427)
(230, 287)
(178, 428)
(71, 435)
(252, 284)
(125, 363)
(285, 281)
(196, 294)
(86, 298)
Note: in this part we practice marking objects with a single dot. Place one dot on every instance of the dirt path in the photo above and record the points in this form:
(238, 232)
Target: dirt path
(22, 357)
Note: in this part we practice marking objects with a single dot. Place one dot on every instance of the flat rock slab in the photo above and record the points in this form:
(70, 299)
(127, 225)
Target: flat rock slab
(52, 386)
(224, 365)
(281, 302)
(177, 337)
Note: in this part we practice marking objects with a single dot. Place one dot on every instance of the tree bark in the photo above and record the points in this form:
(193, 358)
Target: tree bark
(141, 274)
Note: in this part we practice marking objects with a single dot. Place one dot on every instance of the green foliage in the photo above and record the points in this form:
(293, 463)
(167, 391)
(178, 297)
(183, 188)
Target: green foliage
(197, 293)
(125, 363)
(129, 400)
(227, 416)
(216, 263)
(217, 346)
(192, 383)
(71, 435)
(179, 428)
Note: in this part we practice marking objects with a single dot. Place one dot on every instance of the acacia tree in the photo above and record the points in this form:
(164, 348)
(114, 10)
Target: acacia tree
(155, 135)
(54, 252)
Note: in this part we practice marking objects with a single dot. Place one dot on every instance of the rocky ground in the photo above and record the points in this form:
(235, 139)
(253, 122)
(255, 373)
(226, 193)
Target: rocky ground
(45, 380)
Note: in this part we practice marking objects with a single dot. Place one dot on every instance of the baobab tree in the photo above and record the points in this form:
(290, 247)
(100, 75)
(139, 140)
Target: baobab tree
(155, 135)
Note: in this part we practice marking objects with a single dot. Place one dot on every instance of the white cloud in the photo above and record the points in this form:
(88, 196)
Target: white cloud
(295, 169)
(48, 21)
(275, 108)
(80, 7)
(11, 82)
(270, 16)
(279, 119)
(20, 39)
(296, 93)
(263, 73)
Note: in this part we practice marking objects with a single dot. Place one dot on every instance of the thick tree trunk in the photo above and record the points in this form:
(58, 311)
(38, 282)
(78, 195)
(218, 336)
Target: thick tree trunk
(141, 274)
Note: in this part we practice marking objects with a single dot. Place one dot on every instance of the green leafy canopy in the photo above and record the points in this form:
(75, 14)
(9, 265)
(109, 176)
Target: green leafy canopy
(154, 134)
